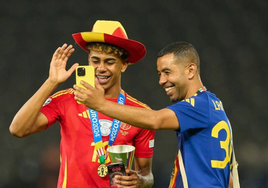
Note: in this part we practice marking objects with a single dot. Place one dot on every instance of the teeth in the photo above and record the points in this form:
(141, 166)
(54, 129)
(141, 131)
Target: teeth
(168, 89)
(102, 77)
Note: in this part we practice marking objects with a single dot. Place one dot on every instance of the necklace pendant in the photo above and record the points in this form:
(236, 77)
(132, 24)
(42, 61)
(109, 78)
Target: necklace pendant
(102, 170)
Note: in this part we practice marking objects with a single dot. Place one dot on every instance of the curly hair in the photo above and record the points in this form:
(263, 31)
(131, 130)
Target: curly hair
(108, 48)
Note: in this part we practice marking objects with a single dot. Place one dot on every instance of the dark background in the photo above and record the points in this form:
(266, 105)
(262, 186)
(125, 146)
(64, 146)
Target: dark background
(230, 36)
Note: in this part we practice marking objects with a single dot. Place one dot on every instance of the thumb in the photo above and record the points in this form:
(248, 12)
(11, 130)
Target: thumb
(72, 69)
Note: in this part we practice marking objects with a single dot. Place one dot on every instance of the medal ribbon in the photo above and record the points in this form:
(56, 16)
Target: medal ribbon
(97, 131)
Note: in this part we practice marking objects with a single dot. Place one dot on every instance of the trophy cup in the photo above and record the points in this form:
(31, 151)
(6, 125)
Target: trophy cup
(122, 153)
(121, 156)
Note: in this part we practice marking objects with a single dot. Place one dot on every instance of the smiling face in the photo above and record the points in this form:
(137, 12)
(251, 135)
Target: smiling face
(173, 76)
(108, 69)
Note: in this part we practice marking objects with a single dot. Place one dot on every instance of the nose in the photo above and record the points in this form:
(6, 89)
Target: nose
(162, 79)
(101, 67)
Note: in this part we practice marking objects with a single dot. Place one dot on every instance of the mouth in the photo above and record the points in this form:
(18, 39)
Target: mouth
(169, 90)
(102, 79)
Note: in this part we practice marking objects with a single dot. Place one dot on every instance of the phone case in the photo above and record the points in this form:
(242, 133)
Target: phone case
(88, 76)
(85, 73)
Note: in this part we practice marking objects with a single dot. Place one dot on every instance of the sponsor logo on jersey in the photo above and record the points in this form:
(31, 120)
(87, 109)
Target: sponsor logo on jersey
(47, 101)
(125, 126)
(151, 143)
(124, 133)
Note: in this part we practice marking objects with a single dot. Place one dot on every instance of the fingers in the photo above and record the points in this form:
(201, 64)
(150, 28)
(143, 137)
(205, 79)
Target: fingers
(78, 90)
(63, 52)
(59, 51)
(67, 52)
(78, 94)
(129, 180)
(90, 96)
(86, 85)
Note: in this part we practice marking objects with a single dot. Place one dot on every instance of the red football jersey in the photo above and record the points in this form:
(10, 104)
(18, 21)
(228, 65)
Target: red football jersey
(79, 160)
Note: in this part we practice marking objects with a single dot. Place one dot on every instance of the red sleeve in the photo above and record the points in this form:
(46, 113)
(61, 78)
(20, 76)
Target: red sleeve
(52, 106)
(144, 143)
(51, 111)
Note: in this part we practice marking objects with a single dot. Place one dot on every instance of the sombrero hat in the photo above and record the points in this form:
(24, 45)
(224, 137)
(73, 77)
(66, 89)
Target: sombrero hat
(111, 32)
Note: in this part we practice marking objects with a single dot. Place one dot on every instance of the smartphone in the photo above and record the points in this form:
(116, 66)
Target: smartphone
(85, 73)
(115, 169)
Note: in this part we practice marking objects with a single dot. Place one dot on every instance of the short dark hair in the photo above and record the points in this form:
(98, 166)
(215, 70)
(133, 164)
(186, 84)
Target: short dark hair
(181, 49)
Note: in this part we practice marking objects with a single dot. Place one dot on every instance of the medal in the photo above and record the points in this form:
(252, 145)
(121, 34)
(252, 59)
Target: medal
(102, 170)
(95, 124)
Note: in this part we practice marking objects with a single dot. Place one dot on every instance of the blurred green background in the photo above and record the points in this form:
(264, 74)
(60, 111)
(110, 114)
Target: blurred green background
(230, 36)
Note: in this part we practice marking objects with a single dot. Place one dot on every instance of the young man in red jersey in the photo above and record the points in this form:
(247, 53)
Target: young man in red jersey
(83, 159)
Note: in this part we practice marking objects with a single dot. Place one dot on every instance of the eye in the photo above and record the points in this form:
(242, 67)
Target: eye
(110, 62)
(94, 61)
(167, 72)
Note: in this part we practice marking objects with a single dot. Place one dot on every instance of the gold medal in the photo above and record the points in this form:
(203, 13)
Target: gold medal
(102, 170)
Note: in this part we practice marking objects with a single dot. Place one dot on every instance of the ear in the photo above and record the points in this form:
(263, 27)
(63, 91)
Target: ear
(88, 59)
(192, 70)
(124, 67)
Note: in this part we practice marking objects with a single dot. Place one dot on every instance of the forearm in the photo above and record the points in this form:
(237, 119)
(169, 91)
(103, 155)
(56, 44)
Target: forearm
(139, 117)
(26, 117)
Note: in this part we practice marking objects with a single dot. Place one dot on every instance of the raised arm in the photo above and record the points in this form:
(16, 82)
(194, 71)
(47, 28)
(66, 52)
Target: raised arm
(138, 117)
(29, 119)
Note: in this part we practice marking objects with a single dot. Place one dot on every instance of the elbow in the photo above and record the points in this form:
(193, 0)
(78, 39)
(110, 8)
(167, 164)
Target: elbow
(15, 132)
(152, 180)
(149, 180)
(156, 124)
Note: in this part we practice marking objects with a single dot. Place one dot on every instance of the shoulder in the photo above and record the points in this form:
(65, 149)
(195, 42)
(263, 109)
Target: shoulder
(62, 95)
(194, 102)
(131, 101)
(206, 98)
(66, 93)
(201, 98)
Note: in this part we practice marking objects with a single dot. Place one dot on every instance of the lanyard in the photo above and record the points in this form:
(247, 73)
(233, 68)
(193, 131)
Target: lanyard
(97, 132)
